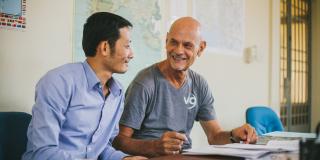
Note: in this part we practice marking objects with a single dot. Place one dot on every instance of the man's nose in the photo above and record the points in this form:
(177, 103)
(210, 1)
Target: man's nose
(131, 54)
(179, 49)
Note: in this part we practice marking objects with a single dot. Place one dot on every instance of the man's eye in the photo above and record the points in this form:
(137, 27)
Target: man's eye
(188, 46)
(173, 42)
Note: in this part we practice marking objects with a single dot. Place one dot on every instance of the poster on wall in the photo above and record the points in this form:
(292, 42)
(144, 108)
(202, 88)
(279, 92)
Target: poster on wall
(146, 40)
(223, 27)
(13, 14)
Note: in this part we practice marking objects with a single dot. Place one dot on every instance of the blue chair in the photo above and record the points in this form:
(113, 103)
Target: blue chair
(13, 134)
(263, 119)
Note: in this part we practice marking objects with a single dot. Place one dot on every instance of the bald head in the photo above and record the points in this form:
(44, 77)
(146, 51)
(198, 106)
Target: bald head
(187, 25)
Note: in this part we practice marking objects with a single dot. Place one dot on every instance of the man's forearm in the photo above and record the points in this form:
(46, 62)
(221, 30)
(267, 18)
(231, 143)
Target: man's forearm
(132, 146)
(220, 138)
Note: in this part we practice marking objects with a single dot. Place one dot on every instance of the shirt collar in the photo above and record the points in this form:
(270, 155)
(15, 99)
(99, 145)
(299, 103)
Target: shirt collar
(115, 87)
(93, 80)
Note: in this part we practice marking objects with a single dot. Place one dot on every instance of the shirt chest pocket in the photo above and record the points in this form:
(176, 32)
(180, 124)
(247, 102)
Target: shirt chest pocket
(83, 118)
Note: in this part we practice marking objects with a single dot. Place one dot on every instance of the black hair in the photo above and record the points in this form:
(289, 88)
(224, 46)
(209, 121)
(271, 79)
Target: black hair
(102, 26)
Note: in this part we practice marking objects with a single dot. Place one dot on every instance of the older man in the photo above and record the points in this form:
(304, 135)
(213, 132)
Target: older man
(165, 99)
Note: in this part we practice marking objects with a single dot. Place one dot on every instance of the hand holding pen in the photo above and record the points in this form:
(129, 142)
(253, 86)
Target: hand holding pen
(171, 143)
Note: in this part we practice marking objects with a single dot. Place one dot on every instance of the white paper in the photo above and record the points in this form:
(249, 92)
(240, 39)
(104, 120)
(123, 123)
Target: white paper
(212, 150)
(289, 145)
(252, 151)
(272, 146)
(291, 134)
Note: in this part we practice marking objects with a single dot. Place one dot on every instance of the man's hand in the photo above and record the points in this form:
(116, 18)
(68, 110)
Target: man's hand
(134, 158)
(170, 143)
(245, 133)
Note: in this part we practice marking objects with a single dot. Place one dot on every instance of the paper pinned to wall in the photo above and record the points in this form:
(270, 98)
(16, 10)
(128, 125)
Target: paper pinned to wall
(222, 24)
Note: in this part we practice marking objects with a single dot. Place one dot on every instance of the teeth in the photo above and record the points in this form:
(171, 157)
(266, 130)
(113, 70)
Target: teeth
(177, 57)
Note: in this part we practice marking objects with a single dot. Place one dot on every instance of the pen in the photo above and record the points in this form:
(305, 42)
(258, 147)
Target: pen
(186, 142)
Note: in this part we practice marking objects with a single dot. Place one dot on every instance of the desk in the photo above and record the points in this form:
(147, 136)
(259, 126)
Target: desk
(185, 157)
(274, 156)
(263, 140)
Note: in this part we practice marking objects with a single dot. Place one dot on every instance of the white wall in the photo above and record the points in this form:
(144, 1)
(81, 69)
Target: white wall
(26, 56)
(315, 110)
(235, 84)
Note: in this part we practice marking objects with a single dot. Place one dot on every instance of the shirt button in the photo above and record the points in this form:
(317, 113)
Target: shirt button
(89, 148)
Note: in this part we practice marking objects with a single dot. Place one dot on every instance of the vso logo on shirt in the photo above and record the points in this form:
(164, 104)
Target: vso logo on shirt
(191, 101)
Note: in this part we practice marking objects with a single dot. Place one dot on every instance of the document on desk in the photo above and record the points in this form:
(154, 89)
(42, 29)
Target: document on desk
(272, 146)
(245, 150)
(290, 134)
(212, 150)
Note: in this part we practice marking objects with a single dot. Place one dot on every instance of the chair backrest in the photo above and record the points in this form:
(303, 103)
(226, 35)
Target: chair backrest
(13, 134)
(263, 119)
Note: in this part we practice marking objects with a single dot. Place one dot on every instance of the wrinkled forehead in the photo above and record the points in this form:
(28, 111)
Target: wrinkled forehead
(184, 34)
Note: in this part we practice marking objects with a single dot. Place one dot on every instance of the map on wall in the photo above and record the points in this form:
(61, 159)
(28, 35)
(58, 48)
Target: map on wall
(223, 24)
(146, 41)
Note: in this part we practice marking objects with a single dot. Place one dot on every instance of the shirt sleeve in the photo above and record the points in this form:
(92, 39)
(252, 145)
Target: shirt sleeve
(51, 102)
(206, 110)
(109, 153)
(135, 106)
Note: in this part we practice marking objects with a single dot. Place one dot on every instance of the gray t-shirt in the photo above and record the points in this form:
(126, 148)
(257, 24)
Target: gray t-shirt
(153, 106)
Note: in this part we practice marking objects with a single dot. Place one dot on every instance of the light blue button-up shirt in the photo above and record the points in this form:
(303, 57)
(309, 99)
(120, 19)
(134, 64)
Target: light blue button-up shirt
(71, 117)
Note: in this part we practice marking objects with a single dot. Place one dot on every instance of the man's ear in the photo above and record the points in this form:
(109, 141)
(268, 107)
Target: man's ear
(202, 46)
(167, 37)
(103, 48)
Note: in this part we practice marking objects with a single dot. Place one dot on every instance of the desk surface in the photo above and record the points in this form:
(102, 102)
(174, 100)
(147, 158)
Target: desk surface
(278, 156)
(188, 157)
(264, 139)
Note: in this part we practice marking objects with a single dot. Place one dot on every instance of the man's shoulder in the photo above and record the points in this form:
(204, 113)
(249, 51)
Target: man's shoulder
(69, 67)
(196, 76)
(64, 72)
(66, 68)
(146, 76)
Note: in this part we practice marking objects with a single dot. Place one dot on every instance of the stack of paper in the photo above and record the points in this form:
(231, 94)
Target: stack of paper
(291, 134)
(245, 150)
(272, 146)
(212, 150)
(279, 135)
